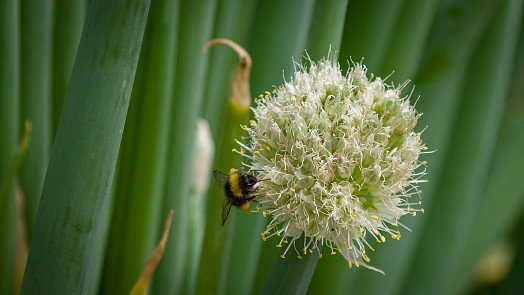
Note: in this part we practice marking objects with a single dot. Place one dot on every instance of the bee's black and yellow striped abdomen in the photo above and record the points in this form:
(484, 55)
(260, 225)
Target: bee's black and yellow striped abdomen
(234, 183)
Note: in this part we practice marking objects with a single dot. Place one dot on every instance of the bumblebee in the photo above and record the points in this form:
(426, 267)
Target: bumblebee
(238, 187)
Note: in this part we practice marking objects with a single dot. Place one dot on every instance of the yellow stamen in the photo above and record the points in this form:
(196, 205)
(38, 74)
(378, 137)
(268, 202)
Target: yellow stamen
(365, 257)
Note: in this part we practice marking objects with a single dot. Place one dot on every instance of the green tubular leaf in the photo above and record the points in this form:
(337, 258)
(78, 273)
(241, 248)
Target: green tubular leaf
(450, 45)
(474, 141)
(9, 128)
(69, 17)
(86, 147)
(368, 28)
(466, 167)
(501, 199)
(139, 190)
(195, 23)
(145, 148)
(102, 243)
(36, 33)
(292, 274)
(272, 47)
(327, 28)
(406, 44)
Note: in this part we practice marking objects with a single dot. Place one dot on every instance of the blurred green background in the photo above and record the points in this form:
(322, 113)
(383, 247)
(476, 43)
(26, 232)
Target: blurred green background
(96, 194)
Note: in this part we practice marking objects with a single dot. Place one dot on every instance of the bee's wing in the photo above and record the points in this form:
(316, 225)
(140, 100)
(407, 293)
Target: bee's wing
(226, 206)
(221, 178)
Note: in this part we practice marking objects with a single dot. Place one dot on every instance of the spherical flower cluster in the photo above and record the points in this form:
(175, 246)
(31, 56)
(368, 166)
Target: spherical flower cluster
(340, 159)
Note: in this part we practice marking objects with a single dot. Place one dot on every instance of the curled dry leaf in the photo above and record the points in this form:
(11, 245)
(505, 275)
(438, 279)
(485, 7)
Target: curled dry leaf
(240, 94)
(140, 286)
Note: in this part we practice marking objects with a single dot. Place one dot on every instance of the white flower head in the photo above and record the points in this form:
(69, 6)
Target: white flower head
(339, 157)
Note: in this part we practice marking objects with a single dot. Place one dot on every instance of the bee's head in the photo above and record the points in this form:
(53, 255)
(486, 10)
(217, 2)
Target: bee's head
(249, 180)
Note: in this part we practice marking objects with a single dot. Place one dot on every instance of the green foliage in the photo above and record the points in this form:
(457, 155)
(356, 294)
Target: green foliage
(98, 220)
(85, 150)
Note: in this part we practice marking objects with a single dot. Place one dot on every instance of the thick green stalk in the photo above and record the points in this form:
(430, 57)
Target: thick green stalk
(9, 122)
(36, 41)
(139, 189)
(86, 146)
(292, 274)
(69, 19)
(195, 23)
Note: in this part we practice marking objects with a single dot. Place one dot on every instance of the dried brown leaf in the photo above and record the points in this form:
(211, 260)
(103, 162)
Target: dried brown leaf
(140, 286)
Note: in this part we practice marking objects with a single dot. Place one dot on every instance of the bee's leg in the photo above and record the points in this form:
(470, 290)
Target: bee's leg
(253, 199)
